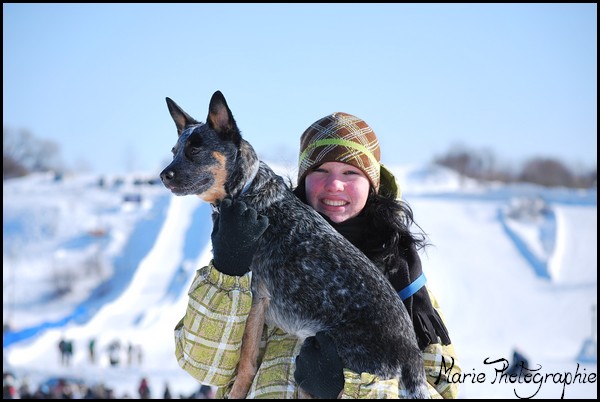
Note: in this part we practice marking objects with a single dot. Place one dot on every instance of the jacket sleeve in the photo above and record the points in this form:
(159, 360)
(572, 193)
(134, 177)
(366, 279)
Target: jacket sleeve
(209, 337)
(441, 363)
(369, 386)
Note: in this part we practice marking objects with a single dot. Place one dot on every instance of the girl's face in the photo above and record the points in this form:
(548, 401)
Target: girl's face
(337, 190)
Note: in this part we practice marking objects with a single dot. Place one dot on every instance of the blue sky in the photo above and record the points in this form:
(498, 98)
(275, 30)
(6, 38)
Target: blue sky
(519, 80)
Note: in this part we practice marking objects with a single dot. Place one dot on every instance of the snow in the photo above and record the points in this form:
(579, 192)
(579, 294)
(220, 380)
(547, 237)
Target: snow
(112, 258)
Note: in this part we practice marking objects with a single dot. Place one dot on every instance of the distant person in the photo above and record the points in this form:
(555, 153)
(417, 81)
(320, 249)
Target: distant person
(24, 390)
(62, 348)
(69, 352)
(114, 351)
(518, 364)
(130, 350)
(206, 392)
(91, 347)
(144, 389)
(140, 355)
(167, 392)
(9, 388)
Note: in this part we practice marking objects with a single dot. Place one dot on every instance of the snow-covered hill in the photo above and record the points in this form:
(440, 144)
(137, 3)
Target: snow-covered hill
(112, 258)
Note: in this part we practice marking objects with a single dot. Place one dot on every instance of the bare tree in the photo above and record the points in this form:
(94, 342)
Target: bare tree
(12, 168)
(469, 163)
(483, 165)
(24, 153)
(547, 172)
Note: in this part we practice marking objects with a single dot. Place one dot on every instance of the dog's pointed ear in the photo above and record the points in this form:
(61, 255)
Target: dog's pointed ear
(220, 117)
(181, 118)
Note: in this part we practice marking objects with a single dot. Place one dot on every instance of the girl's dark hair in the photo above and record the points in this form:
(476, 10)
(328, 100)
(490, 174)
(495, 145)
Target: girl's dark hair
(389, 221)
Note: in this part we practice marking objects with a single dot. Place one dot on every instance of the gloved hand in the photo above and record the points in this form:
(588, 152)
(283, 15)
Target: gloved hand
(235, 235)
(319, 369)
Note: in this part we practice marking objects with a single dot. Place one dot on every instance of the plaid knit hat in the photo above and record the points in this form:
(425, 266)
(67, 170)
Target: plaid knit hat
(340, 137)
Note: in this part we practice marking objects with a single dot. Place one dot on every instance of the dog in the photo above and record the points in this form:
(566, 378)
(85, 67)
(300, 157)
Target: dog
(328, 284)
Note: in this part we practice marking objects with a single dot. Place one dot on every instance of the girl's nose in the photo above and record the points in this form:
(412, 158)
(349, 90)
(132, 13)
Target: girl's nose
(334, 184)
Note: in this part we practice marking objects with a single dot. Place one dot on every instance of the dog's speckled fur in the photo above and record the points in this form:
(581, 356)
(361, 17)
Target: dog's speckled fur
(306, 277)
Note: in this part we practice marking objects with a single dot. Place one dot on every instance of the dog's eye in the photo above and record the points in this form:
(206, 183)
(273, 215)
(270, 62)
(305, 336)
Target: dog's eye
(194, 143)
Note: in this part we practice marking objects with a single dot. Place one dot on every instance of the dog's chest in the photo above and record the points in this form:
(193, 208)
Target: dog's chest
(285, 313)
(280, 272)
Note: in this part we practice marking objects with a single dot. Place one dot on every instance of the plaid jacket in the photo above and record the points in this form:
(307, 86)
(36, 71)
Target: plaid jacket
(209, 337)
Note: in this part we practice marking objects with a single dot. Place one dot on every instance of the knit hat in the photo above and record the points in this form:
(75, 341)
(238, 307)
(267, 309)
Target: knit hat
(340, 137)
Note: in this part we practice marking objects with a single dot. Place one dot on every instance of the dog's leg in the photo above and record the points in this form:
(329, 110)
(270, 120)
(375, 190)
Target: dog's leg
(302, 394)
(248, 364)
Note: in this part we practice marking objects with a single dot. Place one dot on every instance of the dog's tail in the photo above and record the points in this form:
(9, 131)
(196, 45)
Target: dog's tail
(414, 381)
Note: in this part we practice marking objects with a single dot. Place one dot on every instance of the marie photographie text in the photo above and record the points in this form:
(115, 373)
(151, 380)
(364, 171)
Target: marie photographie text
(523, 375)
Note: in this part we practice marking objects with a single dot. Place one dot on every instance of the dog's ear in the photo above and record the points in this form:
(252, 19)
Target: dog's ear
(181, 118)
(221, 119)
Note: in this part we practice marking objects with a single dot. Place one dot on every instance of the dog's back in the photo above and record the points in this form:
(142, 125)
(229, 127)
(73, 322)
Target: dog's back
(313, 278)
(317, 280)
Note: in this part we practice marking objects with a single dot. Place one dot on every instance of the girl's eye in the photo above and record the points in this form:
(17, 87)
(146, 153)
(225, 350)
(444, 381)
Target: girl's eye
(320, 170)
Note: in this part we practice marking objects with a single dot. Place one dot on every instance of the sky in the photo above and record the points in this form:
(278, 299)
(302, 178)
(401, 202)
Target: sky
(511, 266)
(516, 80)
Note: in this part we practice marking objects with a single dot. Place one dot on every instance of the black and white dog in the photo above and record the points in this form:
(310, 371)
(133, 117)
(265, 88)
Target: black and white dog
(328, 285)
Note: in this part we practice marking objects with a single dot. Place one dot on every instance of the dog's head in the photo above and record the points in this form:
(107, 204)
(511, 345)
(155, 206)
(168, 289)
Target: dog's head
(205, 153)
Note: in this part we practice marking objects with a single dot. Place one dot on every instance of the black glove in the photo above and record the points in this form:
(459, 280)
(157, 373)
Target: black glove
(319, 369)
(236, 232)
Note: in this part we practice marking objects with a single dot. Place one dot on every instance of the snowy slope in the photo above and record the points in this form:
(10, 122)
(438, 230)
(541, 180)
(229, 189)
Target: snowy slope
(506, 275)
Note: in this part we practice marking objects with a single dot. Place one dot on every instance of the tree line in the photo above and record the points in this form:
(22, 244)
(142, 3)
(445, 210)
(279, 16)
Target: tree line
(24, 154)
(544, 171)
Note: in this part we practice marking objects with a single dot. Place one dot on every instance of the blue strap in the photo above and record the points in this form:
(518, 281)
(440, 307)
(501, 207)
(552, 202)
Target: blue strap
(413, 287)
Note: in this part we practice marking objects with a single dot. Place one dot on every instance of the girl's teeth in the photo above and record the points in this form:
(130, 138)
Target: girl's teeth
(334, 203)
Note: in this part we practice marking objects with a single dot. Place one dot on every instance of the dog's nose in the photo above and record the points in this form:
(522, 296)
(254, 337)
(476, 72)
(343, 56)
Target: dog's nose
(167, 175)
